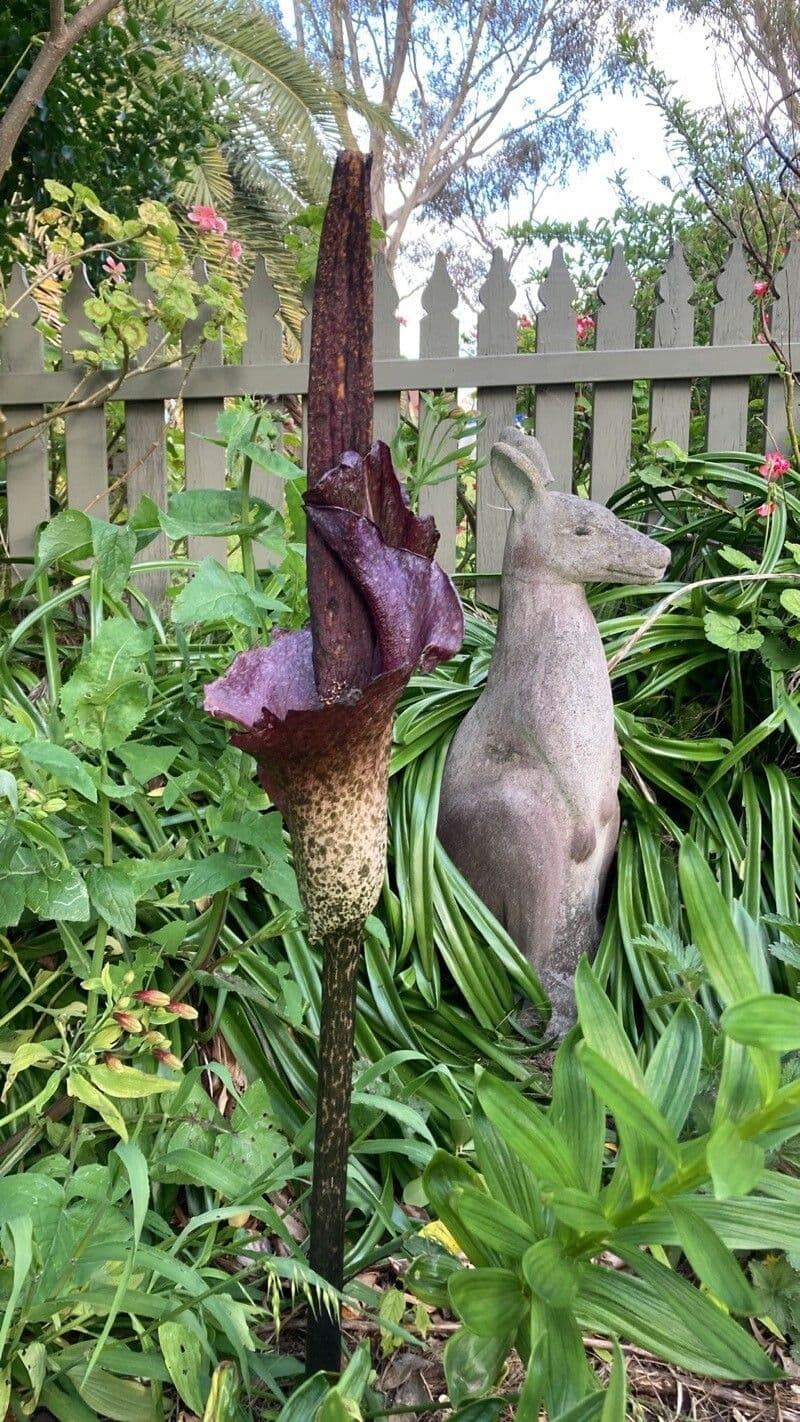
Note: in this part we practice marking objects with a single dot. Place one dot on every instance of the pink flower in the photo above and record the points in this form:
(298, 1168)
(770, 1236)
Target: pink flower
(207, 219)
(114, 270)
(235, 250)
(761, 338)
(584, 325)
(525, 322)
(760, 289)
(766, 509)
(775, 465)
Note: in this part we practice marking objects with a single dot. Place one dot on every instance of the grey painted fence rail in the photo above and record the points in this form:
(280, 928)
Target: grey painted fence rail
(202, 383)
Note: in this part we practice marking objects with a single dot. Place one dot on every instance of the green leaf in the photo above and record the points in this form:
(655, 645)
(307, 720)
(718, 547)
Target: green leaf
(489, 1302)
(673, 1071)
(214, 594)
(576, 1111)
(628, 1103)
(112, 897)
(146, 762)
(443, 1177)
(129, 1083)
(78, 1086)
(428, 1276)
(209, 512)
(472, 1365)
(61, 764)
(662, 1312)
(529, 1133)
(223, 1394)
(60, 895)
(556, 1342)
(493, 1222)
(68, 535)
(790, 600)
(550, 1273)
(108, 695)
(726, 631)
(615, 1402)
(579, 1210)
(20, 1227)
(8, 789)
(135, 1167)
(711, 923)
(769, 1020)
(114, 549)
(183, 1355)
(210, 876)
(735, 1164)
(711, 1261)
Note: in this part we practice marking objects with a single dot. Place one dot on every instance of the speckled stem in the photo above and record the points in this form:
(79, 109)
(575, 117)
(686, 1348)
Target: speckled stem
(341, 952)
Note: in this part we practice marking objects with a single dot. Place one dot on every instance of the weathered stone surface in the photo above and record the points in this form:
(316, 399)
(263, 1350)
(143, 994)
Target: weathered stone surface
(529, 808)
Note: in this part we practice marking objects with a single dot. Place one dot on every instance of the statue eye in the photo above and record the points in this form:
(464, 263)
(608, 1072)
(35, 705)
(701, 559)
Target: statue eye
(582, 532)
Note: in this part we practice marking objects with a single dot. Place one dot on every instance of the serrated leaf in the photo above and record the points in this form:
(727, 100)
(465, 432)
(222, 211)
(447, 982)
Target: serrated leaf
(210, 876)
(214, 594)
(108, 693)
(146, 762)
(61, 895)
(114, 547)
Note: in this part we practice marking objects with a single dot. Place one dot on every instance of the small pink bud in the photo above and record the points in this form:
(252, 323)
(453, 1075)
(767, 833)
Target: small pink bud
(760, 289)
(766, 509)
(169, 1060)
(156, 1039)
(151, 997)
(182, 1009)
(235, 250)
(128, 1022)
(113, 1063)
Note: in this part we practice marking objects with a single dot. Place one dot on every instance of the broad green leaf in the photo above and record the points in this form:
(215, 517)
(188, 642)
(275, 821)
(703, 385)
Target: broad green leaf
(119, 1399)
(579, 1210)
(214, 594)
(566, 1378)
(550, 1273)
(135, 1167)
(306, 1400)
(576, 1111)
(490, 1302)
(209, 512)
(726, 631)
(333, 1409)
(146, 762)
(507, 1178)
(428, 1276)
(472, 1365)
(669, 1317)
(735, 1164)
(80, 1087)
(356, 1375)
(219, 871)
(711, 1260)
(8, 789)
(770, 1020)
(493, 1222)
(443, 1177)
(114, 548)
(61, 895)
(529, 1133)
(183, 1355)
(628, 1103)
(108, 693)
(27, 1055)
(724, 954)
(112, 896)
(601, 1026)
(673, 1071)
(68, 535)
(129, 1083)
(61, 764)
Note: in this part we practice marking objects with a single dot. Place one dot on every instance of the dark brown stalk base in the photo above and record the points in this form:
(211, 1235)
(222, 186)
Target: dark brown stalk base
(340, 958)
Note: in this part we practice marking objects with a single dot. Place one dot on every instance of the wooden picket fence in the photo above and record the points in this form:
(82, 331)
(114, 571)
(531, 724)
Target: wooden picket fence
(203, 383)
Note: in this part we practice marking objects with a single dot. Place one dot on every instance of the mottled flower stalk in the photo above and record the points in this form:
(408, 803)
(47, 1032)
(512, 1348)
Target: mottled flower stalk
(315, 708)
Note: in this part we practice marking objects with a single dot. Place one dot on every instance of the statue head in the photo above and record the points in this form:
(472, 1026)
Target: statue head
(555, 537)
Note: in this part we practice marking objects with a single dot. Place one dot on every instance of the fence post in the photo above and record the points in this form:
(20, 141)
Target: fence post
(612, 403)
(84, 432)
(27, 466)
(671, 400)
(386, 347)
(205, 462)
(731, 325)
(145, 447)
(785, 324)
(438, 336)
(555, 404)
(497, 335)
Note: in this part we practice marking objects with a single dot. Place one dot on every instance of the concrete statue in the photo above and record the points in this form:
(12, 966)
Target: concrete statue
(529, 809)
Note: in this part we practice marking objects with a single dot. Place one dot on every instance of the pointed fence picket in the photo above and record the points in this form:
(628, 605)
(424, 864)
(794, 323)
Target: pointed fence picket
(34, 400)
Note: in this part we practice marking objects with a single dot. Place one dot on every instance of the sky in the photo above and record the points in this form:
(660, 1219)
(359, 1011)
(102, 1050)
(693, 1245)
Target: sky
(684, 52)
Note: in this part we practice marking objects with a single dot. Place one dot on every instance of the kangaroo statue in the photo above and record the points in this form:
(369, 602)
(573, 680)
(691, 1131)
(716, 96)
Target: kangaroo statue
(529, 809)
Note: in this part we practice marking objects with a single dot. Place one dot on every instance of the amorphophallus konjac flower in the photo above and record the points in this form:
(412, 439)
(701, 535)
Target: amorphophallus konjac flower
(315, 707)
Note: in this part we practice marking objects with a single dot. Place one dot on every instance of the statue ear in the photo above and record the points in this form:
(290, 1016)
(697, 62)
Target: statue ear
(520, 468)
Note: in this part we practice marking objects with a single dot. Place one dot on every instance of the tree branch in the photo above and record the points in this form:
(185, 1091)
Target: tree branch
(60, 39)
